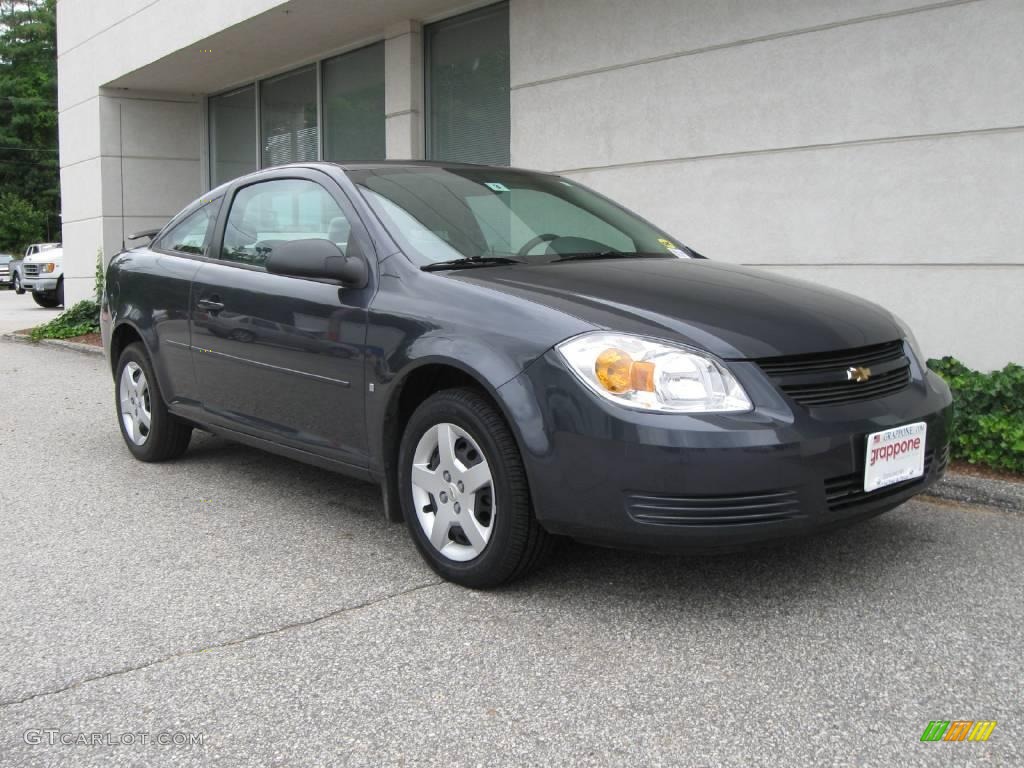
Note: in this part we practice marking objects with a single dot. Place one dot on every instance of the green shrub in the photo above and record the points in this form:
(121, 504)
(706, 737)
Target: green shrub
(988, 426)
(81, 319)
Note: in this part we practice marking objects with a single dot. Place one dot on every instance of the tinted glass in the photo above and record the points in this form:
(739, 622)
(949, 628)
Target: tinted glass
(440, 214)
(353, 93)
(468, 87)
(288, 117)
(192, 234)
(267, 214)
(233, 144)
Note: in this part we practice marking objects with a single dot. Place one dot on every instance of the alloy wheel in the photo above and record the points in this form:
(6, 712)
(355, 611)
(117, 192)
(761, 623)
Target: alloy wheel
(136, 408)
(453, 492)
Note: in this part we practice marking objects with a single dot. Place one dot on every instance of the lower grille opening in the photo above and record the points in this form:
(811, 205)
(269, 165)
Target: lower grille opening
(848, 491)
(746, 509)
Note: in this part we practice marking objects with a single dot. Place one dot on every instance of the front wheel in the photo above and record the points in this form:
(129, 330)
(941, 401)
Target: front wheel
(151, 432)
(17, 284)
(464, 492)
(46, 300)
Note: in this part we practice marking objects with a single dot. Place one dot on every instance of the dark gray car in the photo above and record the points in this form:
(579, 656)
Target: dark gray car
(510, 355)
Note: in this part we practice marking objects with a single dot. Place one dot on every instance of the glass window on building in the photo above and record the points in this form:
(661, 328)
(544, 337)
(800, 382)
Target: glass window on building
(234, 148)
(288, 117)
(467, 69)
(353, 110)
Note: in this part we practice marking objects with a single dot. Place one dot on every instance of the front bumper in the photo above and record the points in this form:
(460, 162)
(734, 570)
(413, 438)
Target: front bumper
(40, 284)
(678, 482)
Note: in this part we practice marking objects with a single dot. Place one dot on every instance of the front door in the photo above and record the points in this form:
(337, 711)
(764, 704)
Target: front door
(278, 357)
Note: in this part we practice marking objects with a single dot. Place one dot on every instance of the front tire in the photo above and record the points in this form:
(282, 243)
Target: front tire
(17, 285)
(46, 300)
(465, 494)
(151, 432)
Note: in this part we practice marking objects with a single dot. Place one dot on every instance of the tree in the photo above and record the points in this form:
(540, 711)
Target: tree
(29, 166)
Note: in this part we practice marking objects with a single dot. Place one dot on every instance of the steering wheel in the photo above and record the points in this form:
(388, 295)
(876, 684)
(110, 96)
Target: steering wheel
(533, 242)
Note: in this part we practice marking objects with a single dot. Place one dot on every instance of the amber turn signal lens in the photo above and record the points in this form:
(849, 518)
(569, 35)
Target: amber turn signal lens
(613, 370)
(619, 373)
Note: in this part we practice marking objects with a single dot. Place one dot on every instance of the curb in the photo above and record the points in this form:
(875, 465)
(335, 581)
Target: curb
(86, 349)
(989, 492)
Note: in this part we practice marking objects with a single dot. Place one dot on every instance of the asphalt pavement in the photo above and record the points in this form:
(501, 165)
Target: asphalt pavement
(20, 312)
(265, 612)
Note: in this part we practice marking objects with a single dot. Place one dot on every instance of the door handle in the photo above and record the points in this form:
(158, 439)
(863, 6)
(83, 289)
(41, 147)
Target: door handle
(212, 304)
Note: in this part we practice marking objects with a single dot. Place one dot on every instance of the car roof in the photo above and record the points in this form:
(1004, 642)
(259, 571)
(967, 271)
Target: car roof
(354, 166)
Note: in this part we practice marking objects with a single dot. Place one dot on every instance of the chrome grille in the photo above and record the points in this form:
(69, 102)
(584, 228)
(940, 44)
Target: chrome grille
(31, 270)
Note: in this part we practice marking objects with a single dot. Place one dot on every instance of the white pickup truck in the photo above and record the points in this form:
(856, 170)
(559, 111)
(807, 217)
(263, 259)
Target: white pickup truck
(41, 271)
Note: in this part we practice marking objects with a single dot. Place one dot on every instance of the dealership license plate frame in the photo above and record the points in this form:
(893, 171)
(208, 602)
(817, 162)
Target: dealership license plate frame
(908, 465)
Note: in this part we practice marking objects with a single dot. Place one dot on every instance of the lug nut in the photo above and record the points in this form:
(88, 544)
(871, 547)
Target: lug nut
(457, 508)
(447, 476)
(444, 497)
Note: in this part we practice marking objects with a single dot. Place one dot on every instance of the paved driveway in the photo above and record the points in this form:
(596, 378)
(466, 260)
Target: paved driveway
(269, 608)
(19, 312)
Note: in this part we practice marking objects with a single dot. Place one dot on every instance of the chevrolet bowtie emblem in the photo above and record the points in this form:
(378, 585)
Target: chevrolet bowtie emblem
(858, 373)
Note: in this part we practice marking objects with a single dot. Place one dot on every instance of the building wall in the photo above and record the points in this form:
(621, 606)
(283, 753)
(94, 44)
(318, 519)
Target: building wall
(876, 146)
(115, 143)
(873, 145)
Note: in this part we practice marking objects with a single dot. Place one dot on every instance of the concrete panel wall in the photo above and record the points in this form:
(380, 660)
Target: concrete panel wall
(876, 146)
(145, 167)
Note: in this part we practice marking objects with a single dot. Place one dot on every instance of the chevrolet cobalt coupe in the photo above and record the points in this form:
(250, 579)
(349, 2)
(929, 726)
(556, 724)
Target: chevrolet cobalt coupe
(512, 356)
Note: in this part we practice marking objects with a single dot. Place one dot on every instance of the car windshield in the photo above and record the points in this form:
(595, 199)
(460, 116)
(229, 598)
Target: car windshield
(447, 214)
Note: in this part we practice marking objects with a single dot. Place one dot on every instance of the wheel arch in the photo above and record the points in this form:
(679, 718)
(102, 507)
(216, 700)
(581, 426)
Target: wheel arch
(418, 382)
(124, 333)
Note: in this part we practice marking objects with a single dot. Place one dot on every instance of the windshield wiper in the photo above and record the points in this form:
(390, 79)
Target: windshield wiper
(609, 254)
(469, 262)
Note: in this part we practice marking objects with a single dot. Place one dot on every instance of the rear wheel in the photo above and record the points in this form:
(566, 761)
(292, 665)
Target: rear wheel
(46, 300)
(149, 430)
(465, 494)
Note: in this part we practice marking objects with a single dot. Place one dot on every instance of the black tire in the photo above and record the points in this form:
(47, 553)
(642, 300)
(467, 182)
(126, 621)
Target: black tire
(60, 292)
(17, 285)
(168, 436)
(517, 544)
(45, 300)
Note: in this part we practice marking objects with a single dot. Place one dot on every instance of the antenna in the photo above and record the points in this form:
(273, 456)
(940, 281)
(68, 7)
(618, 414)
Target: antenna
(120, 142)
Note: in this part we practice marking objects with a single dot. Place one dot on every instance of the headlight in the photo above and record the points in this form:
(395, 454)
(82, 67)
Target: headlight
(49, 267)
(651, 375)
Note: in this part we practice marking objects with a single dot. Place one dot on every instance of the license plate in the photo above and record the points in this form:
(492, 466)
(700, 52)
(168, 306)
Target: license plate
(894, 456)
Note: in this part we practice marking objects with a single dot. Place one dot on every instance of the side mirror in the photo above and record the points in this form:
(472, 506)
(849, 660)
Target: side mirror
(321, 259)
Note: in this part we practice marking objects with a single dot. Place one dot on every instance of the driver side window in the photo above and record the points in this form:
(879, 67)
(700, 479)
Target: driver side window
(267, 214)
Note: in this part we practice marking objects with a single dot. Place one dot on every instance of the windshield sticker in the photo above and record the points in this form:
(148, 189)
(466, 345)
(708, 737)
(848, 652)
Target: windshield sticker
(673, 248)
(495, 186)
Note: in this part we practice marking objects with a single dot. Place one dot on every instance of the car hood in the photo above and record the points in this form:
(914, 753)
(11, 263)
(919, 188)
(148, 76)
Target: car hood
(733, 312)
(54, 255)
